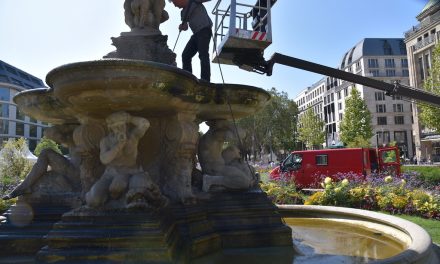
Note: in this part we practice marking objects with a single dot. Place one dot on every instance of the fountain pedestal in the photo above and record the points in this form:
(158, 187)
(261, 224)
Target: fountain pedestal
(148, 45)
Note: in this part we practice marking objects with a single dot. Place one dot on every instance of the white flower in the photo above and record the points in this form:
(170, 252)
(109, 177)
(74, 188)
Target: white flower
(388, 179)
(327, 180)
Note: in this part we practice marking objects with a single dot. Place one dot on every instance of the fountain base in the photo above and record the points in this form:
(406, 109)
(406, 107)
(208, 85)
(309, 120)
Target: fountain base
(179, 233)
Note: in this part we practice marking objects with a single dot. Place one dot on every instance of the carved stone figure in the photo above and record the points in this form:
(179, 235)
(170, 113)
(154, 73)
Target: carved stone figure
(223, 168)
(86, 138)
(67, 173)
(145, 13)
(123, 175)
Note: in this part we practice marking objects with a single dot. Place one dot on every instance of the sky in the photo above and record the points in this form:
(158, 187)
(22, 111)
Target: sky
(40, 35)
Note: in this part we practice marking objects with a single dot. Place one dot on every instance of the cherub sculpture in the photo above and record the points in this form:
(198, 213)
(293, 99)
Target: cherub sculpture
(140, 14)
(223, 167)
(123, 174)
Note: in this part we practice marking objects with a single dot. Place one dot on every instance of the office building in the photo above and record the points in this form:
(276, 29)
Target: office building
(14, 124)
(420, 41)
(379, 58)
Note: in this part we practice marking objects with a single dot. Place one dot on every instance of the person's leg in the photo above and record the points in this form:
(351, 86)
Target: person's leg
(188, 53)
(203, 39)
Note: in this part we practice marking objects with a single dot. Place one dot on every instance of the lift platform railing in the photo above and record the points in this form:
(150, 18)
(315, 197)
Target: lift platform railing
(240, 23)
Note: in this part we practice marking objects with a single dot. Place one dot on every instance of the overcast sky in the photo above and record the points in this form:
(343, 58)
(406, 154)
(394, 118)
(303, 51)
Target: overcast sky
(39, 35)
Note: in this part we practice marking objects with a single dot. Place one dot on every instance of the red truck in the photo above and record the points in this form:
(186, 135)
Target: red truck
(308, 167)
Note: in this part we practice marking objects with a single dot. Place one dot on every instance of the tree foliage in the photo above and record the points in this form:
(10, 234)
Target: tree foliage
(355, 128)
(271, 128)
(311, 129)
(14, 165)
(430, 115)
(46, 143)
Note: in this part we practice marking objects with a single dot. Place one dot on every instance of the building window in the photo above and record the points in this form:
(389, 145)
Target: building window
(358, 66)
(321, 160)
(374, 73)
(381, 120)
(33, 131)
(405, 73)
(5, 94)
(339, 106)
(4, 126)
(340, 116)
(427, 61)
(19, 129)
(398, 108)
(380, 96)
(400, 137)
(387, 48)
(345, 92)
(381, 108)
(373, 63)
(399, 120)
(390, 73)
(397, 97)
(339, 95)
(4, 110)
(383, 138)
(422, 72)
(389, 63)
(19, 115)
(404, 63)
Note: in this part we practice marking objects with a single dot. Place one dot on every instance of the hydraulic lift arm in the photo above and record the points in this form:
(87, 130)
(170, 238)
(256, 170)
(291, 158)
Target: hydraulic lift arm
(265, 67)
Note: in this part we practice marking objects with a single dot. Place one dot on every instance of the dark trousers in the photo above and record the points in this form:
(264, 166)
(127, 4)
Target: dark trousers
(199, 42)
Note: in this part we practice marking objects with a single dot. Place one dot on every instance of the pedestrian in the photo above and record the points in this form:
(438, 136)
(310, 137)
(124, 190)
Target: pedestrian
(195, 16)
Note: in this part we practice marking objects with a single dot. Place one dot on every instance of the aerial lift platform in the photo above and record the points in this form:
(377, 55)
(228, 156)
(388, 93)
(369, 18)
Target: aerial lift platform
(243, 30)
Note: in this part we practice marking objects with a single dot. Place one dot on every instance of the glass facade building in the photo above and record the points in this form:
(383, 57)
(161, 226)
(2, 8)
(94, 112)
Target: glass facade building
(13, 123)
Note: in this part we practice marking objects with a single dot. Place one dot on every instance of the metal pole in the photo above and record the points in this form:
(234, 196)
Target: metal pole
(177, 40)
(232, 17)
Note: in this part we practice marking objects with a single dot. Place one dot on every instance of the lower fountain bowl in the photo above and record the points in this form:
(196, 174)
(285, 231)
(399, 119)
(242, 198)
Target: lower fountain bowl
(344, 235)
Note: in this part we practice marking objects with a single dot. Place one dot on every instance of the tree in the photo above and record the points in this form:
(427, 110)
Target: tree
(355, 127)
(430, 115)
(311, 129)
(14, 165)
(46, 143)
(273, 128)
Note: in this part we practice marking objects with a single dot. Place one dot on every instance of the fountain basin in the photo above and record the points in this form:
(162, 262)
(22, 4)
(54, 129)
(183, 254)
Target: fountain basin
(325, 233)
(98, 88)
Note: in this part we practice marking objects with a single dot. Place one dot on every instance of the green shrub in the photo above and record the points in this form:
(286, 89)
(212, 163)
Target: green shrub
(13, 164)
(282, 192)
(5, 204)
(46, 143)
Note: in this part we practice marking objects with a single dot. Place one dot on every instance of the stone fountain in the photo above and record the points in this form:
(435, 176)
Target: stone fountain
(130, 191)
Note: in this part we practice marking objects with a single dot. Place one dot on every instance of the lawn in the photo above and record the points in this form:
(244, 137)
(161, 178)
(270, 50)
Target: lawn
(431, 226)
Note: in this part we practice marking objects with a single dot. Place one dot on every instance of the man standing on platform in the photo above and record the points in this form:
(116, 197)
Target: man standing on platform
(195, 15)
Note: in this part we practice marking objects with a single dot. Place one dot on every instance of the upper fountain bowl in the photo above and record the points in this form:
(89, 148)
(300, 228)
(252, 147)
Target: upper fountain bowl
(99, 88)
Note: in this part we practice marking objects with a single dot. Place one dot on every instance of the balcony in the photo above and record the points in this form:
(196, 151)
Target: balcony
(422, 25)
(423, 43)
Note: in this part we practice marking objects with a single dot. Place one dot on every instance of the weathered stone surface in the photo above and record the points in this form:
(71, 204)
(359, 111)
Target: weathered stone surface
(147, 46)
(177, 234)
(24, 227)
